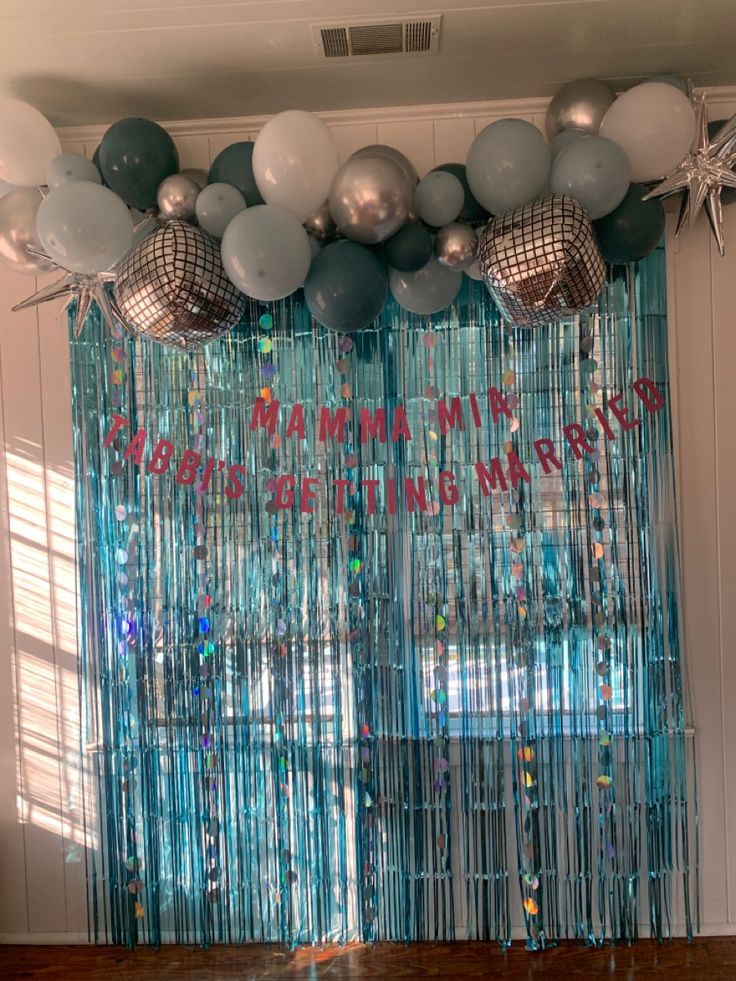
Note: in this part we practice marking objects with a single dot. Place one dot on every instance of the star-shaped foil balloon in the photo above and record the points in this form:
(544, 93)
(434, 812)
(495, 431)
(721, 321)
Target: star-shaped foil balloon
(85, 288)
(703, 174)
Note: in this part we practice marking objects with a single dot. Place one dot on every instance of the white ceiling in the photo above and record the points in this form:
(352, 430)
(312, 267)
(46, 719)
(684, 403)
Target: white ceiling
(91, 61)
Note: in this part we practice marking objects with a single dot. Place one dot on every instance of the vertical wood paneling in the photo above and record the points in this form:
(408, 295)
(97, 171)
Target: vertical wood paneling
(13, 899)
(452, 139)
(415, 138)
(39, 747)
(352, 138)
(723, 289)
(690, 264)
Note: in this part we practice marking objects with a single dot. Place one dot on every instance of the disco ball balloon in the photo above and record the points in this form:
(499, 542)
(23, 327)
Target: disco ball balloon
(171, 288)
(541, 262)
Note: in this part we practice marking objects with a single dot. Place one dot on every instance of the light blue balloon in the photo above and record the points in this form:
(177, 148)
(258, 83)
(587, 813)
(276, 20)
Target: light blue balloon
(426, 291)
(266, 252)
(439, 198)
(216, 206)
(564, 139)
(593, 170)
(84, 227)
(508, 165)
(72, 167)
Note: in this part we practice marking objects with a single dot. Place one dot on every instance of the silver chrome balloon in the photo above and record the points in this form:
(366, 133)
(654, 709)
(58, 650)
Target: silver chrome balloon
(581, 104)
(456, 246)
(18, 211)
(320, 223)
(177, 198)
(380, 149)
(541, 262)
(172, 288)
(370, 198)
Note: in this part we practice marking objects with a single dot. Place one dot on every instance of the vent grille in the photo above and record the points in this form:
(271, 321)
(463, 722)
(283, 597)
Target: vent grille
(376, 39)
(353, 40)
(335, 42)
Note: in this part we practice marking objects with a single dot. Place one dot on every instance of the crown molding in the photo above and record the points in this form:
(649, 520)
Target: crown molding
(356, 117)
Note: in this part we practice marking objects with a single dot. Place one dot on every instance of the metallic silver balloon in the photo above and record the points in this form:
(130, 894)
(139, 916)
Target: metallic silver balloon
(381, 150)
(320, 223)
(197, 175)
(172, 288)
(541, 262)
(370, 198)
(18, 211)
(581, 104)
(177, 198)
(456, 246)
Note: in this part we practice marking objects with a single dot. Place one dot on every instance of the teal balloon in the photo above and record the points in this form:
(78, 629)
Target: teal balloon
(136, 155)
(409, 249)
(632, 230)
(594, 171)
(429, 290)
(508, 165)
(234, 165)
(71, 167)
(96, 162)
(346, 288)
(472, 211)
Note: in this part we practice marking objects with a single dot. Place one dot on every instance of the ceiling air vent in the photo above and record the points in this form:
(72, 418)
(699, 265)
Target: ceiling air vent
(359, 38)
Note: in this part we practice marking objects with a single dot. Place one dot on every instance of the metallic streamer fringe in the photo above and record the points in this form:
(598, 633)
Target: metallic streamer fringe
(465, 722)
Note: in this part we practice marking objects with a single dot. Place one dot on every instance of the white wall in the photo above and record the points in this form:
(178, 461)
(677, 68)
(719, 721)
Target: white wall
(42, 837)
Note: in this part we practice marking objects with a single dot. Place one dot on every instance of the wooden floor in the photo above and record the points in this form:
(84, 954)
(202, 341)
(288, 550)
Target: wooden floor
(703, 959)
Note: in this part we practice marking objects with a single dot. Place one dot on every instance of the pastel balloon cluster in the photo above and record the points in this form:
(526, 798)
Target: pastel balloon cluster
(288, 214)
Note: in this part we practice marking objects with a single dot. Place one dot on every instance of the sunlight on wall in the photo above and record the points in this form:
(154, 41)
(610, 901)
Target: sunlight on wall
(41, 526)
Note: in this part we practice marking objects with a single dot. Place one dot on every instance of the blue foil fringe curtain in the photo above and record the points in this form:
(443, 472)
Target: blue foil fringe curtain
(453, 722)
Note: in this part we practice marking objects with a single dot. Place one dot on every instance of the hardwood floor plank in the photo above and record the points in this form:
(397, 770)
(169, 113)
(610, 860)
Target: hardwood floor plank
(704, 959)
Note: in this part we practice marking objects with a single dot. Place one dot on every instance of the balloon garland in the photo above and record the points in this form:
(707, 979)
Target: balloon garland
(281, 213)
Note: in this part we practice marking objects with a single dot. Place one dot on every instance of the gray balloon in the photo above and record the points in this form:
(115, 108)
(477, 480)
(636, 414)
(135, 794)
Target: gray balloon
(177, 198)
(380, 149)
(429, 290)
(370, 198)
(581, 104)
(456, 246)
(320, 223)
(18, 210)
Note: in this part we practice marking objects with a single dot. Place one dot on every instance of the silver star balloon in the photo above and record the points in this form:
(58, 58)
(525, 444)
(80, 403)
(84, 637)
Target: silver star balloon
(85, 288)
(703, 174)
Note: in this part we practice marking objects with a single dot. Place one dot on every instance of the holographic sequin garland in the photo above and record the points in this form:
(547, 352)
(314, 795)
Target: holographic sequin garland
(463, 718)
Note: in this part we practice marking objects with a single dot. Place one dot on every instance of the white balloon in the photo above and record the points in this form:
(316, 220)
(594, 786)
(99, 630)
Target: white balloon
(654, 123)
(294, 161)
(28, 144)
(265, 252)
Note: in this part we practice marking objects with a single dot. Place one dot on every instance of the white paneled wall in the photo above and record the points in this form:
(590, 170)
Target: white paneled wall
(42, 836)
